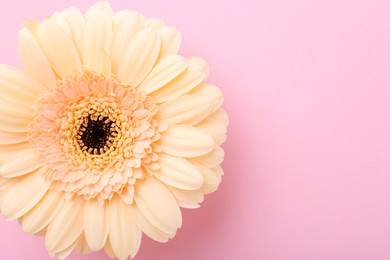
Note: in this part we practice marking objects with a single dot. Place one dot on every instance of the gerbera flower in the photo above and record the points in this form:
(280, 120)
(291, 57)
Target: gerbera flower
(107, 132)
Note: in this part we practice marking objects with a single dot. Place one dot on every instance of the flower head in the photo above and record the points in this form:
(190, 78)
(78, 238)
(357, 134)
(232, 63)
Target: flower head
(107, 133)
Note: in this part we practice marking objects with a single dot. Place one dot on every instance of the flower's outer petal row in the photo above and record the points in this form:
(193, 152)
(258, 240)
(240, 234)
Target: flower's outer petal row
(212, 92)
(15, 117)
(158, 205)
(97, 38)
(184, 83)
(18, 86)
(22, 163)
(189, 199)
(212, 178)
(66, 252)
(12, 138)
(170, 41)
(185, 110)
(185, 141)
(148, 229)
(66, 225)
(76, 22)
(215, 125)
(178, 172)
(211, 159)
(43, 212)
(155, 23)
(124, 234)
(59, 48)
(126, 25)
(34, 59)
(165, 70)
(22, 194)
(9, 151)
(139, 57)
(108, 249)
(95, 224)
(82, 247)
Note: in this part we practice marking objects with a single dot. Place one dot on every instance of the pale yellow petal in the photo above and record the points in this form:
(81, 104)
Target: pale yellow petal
(59, 48)
(126, 26)
(15, 117)
(212, 92)
(184, 83)
(16, 85)
(65, 253)
(82, 247)
(215, 125)
(211, 179)
(211, 159)
(8, 151)
(139, 57)
(147, 228)
(186, 141)
(189, 199)
(43, 212)
(108, 249)
(22, 195)
(165, 70)
(97, 37)
(178, 172)
(170, 41)
(34, 59)
(155, 23)
(66, 225)
(22, 163)
(158, 205)
(185, 110)
(95, 224)
(12, 137)
(124, 234)
(76, 22)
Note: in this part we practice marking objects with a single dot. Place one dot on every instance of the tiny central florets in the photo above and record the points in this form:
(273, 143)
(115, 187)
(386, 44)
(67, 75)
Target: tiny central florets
(96, 137)
(95, 134)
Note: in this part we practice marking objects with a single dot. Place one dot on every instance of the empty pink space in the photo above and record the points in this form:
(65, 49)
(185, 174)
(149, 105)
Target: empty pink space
(307, 88)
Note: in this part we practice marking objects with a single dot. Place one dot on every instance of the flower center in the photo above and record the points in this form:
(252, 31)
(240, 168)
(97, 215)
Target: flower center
(94, 135)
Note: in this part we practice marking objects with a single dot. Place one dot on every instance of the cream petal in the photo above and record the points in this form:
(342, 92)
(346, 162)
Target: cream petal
(158, 205)
(215, 125)
(165, 70)
(185, 82)
(126, 26)
(211, 159)
(211, 91)
(155, 23)
(211, 179)
(185, 141)
(147, 228)
(185, 110)
(43, 212)
(59, 21)
(9, 151)
(95, 224)
(108, 249)
(22, 163)
(170, 41)
(12, 138)
(34, 60)
(139, 57)
(16, 85)
(22, 195)
(76, 22)
(59, 48)
(189, 199)
(97, 36)
(82, 246)
(65, 253)
(14, 117)
(66, 225)
(124, 234)
(178, 172)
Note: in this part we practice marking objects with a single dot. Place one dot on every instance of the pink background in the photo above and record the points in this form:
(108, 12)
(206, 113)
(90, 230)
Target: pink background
(307, 87)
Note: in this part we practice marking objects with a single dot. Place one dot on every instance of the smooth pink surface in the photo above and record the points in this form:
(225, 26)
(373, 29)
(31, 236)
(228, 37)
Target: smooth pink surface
(307, 87)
